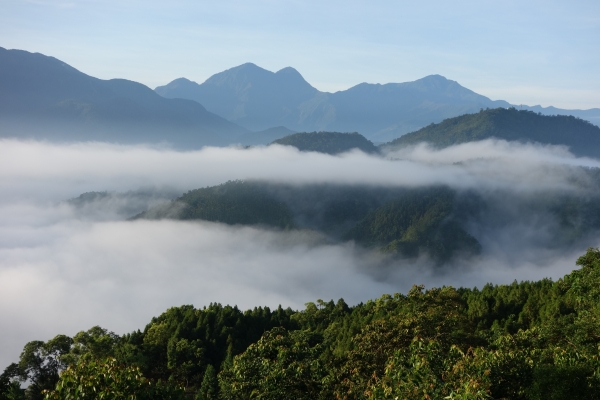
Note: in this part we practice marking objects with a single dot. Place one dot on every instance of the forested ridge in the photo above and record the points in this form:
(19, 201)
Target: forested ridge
(328, 142)
(403, 222)
(582, 137)
(527, 340)
(406, 222)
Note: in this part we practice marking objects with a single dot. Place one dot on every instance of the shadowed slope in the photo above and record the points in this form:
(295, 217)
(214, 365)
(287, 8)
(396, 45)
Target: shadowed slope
(44, 98)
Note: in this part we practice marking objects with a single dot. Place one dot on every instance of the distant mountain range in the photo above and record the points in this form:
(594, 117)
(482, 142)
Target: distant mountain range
(42, 97)
(258, 99)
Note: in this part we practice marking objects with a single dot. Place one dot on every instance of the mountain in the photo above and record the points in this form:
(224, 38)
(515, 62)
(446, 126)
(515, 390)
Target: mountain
(442, 223)
(582, 137)
(42, 97)
(258, 99)
(328, 142)
(264, 137)
(248, 95)
(405, 222)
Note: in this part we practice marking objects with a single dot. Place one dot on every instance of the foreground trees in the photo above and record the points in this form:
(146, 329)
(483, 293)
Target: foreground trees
(529, 340)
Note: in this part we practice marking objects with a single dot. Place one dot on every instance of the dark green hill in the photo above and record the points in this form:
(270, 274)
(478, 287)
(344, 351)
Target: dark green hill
(410, 222)
(233, 203)
(407, 222)
(582, 137)
(328, 142)
(421, 220)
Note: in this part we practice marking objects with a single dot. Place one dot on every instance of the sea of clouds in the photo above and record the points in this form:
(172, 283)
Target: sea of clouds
(66, 267)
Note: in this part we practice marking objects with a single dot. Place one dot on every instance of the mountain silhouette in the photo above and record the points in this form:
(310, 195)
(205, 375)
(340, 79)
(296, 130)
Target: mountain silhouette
(258, 99)
(248, 95)
(45, 98)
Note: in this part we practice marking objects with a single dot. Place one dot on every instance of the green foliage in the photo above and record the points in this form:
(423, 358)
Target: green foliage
(10, 387)
(582, 137)
(328, 142)
(420, 221)
(234, 202)
(281, 365)
(423, 370)
(209, 390)
(40, 362)
(107, 379)
(95, 343)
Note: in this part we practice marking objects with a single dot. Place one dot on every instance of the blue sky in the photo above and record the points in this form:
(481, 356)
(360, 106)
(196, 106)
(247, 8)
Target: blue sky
(530, 52)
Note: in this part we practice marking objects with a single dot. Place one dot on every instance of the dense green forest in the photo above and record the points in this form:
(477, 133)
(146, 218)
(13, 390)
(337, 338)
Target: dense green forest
(328, 142)
(527, 340)
(406, 222)
(402, 222)
(582, 137)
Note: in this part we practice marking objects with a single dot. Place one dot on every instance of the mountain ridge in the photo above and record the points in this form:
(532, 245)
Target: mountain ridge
(582, 137)
(380, 112)
(42, 97)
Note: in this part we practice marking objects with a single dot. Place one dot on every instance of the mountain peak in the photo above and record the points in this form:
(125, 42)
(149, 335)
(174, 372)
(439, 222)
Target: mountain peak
(288, 71)
(434, 82)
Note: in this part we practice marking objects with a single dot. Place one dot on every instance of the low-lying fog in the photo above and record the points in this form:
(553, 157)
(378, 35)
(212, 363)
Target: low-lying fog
(65, 268)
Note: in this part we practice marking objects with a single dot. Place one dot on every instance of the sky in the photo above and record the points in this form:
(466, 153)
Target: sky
(525, 52)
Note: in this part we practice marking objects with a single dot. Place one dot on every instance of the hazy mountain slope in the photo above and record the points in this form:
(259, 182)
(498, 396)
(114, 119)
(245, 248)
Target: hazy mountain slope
(258, 99)
(43, 97)
(328, 142)
(264, 137)
(592, 115)
(386, 111)
(582, 137)
(248, 95)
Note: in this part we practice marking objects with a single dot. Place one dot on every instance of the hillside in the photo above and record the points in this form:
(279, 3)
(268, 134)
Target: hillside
(327, 142)
(419, 222)
(44, 98)
(264, 137)
(398, 221)
(233, 203)
(582, 137)
(259, 99)
(436, 221)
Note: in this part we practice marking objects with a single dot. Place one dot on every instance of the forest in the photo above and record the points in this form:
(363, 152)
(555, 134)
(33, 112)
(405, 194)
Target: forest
(525, 340)
(328, 142)
(508, 124)
(398, 222)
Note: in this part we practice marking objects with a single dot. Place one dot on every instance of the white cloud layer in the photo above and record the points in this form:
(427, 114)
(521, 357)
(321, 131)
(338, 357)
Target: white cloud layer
(63, 269)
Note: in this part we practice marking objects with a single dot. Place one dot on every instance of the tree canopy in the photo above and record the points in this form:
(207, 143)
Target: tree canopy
(526, 340)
